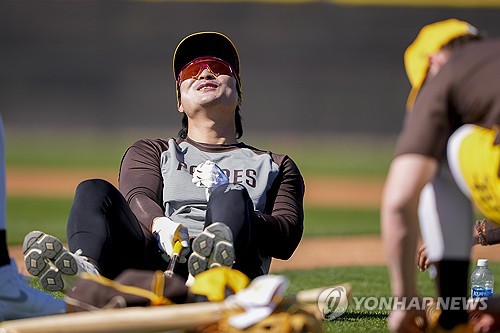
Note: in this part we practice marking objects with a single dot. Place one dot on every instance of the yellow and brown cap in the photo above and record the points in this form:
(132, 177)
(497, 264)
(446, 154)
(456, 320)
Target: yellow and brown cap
(430, 40)
(202, 44)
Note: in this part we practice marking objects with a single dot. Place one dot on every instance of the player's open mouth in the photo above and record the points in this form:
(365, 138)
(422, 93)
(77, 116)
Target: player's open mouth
(207, 86)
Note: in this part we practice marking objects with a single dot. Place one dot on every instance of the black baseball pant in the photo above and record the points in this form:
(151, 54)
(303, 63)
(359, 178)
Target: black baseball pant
(103, 226)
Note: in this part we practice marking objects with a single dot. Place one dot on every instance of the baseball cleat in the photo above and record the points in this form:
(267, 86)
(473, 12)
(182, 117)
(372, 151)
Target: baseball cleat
(18, 300)
(212, 248)
(57, 268)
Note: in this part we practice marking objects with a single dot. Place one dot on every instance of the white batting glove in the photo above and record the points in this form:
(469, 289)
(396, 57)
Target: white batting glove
(167, 232)
(210, 176)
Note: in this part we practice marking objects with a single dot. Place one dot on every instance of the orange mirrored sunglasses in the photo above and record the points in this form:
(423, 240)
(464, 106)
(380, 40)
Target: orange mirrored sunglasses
(214, 65)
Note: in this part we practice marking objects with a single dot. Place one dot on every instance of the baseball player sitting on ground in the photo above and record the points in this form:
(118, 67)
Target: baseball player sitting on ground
(449, 145)
(226, 203)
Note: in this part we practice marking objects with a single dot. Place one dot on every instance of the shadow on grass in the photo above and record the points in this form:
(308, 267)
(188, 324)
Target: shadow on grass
(359, 316)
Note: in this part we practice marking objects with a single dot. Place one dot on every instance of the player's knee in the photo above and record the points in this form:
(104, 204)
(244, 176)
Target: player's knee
(95, 186)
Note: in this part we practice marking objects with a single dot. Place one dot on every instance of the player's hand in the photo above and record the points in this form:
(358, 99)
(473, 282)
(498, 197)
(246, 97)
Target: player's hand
(167, 232)
(422, 258)
(210, 176)
(406, 321)
(485, 323)
(485, 314)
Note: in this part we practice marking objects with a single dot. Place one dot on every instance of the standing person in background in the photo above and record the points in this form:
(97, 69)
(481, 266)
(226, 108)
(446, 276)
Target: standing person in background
(226, 203)
(18, 300)
(449, 140)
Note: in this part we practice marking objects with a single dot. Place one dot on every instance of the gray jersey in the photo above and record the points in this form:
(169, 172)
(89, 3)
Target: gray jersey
(244, 166)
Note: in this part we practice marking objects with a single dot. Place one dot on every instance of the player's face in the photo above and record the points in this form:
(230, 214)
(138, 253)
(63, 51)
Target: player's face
(208, 90)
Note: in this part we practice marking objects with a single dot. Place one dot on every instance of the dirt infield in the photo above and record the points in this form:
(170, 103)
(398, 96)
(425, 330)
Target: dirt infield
(312, 252)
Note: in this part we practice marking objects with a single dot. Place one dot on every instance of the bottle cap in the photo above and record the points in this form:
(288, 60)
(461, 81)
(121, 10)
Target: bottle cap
(482, 262)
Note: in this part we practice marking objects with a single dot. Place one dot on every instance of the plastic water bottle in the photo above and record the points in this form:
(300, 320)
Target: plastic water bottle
(482, 280)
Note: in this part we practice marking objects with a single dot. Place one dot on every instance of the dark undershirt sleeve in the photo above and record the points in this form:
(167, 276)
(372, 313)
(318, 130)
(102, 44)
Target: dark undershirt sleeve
(280, 232)
(141, 180)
